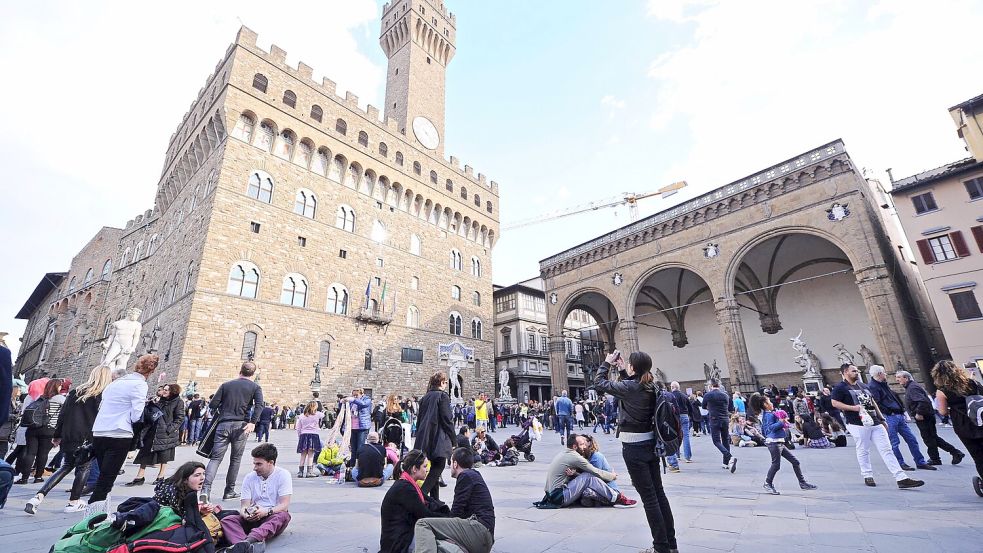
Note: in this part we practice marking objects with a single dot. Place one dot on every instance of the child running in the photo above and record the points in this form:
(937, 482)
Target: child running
(774, 428)
(308, 440)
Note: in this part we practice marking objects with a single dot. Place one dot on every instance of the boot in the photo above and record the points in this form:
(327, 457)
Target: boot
(301, 471)
(311, 473)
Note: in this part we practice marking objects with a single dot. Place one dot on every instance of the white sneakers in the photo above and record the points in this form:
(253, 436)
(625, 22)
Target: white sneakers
(76, 508)
(32, 504)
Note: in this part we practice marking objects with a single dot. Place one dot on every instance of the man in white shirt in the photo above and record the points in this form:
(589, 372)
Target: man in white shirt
(263, 512)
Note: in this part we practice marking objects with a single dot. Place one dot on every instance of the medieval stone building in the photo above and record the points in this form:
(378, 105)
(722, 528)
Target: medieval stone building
(290, 226)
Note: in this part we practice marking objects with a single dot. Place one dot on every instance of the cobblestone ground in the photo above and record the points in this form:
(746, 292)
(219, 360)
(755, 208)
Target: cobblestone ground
(714, 510)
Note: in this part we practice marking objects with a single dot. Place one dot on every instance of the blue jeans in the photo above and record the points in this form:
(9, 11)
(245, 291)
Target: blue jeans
(387, 471)
(686, 451)
(565, 425)
(896, 424)
(194, 430)
(721, 437)
(231, 433)
(646, 476)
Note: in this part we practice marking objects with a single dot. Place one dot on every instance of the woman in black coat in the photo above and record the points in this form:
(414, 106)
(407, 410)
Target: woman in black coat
(158, 447)
(405, 503)
(435, 431)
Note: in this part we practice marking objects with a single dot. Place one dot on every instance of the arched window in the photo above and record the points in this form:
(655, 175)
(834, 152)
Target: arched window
(476, 329)
(346, 218)
(399, 158)
(260, 186)
(324, 354)
(190, 278)
(383, 149)
(194, 199)
(177, 279)
(249, 345)
(88, 277)
(363, 138)
(464, 192)
(285, 145)
(71, 285)
(321, 161)
(341, 127)
(433, 177)
(416, 245)
(449, 185)
(476, 298)
(477, 200)
(413, 317)
(289, 98)
(454, 324)
(337, 299)
(294, 291)
(456, 261)
(153, 244)
(317, 113)
(306, 203)
(267, 131)
(379, 232)
(210, 183)
(476, 266)
(304, 154)
(456, 292)
(107, 268)
(243, 280)
(260, 82)
(337, 169)
(417, 168)
(126, 257)
(488, 207)
(244, 128)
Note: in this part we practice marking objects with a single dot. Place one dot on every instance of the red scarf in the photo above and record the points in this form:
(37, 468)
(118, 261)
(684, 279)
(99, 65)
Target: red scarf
(406, 476)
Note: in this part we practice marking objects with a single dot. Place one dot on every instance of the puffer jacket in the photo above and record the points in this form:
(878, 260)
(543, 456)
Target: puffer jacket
(637, 400)
(168, 430)
(330, 456)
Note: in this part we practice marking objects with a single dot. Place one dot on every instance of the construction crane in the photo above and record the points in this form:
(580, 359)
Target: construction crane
(627, 198)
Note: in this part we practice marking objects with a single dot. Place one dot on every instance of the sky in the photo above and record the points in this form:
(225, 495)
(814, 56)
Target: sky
(560, 103)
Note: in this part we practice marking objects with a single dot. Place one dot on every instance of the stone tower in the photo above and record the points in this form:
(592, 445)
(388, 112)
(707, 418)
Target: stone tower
(418, 37)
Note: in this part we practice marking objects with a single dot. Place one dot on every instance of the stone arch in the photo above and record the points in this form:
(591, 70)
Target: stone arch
(598, 305)
(636, 287)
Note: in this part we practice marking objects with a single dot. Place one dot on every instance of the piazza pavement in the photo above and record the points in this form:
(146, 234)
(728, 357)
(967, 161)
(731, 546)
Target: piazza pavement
(714, 510)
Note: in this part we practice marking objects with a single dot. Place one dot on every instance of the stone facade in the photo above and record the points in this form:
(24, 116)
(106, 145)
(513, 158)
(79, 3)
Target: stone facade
(701, 281)
(274, 173)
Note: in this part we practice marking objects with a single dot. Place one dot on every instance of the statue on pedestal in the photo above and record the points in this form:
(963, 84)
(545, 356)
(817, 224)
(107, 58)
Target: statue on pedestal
(711, 372)
(867, 356)
(453, 378)
(123, 338)
(503, 384)
(805, 359)
(843, 355)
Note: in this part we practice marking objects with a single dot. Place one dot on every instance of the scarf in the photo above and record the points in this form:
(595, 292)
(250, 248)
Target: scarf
(406, 476)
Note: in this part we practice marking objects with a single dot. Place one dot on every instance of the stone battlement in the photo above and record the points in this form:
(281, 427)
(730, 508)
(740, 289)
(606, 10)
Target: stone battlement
(448, 15)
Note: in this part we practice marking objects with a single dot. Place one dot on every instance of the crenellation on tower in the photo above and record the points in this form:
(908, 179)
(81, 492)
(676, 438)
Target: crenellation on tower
(305, 71)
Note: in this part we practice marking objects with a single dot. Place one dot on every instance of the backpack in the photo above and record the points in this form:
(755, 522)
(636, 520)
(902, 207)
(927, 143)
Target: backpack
(974, 406)
(666, 427)
(177, 538)
(36, 414)
(96, 533)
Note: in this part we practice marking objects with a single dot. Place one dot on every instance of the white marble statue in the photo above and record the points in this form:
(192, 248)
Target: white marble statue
(843, 355)
(452, 377)
(867, 355)
(503, 384)
(123, 339)
(805, 359)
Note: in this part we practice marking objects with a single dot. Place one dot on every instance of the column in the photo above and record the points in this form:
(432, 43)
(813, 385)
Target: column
(558, 364)
(627, 341)
(735, 349)
(888, 322)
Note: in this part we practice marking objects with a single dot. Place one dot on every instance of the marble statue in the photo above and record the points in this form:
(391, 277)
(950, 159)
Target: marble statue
(123, 338)
(453, 377)
(843, 355)
(867, 355)
(317, 376)
(711, 372)
(805, 359)
(659, 375)
(503, 384)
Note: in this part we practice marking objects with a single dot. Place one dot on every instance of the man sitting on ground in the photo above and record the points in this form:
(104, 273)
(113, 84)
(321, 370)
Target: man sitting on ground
(485, 447)
(472, 522)
(580, 481)
(371, 462)
(263, 511)
(464, 437)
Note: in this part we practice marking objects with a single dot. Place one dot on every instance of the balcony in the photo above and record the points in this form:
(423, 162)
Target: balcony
(373, 316)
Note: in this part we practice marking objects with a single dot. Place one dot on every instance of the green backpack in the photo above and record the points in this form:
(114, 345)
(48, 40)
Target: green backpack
(95, 534)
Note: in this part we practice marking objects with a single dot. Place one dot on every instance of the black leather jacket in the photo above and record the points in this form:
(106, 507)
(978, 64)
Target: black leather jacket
(637, 401)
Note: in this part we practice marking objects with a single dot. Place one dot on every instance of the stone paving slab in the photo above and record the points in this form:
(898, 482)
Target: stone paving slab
(715, 511)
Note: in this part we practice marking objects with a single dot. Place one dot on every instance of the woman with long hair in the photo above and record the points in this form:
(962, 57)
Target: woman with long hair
(39, 439)
(158, 447)
(181, 491)
(73, 429)
(954, 385)
(637, 392)
(435, 431)
(308, 439)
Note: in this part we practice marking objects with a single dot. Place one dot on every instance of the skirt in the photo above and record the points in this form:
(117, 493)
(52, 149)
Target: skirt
(309, 442)
(147, 457)
(820, 443)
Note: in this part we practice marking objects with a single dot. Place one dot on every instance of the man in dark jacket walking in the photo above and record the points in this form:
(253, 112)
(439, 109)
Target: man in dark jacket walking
(719, 407)
(919, 406)
(237, 405)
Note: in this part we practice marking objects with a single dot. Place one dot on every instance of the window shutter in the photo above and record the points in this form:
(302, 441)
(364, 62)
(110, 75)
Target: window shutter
(978, 235)
(959, 244)
(926, 251)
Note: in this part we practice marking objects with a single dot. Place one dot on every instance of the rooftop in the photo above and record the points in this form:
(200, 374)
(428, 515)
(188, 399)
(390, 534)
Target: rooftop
(932, 175)
(49, 282)
(972, 102)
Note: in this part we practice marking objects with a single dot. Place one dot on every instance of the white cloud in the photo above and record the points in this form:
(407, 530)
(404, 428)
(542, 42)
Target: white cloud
(612, 102)
(760, 81)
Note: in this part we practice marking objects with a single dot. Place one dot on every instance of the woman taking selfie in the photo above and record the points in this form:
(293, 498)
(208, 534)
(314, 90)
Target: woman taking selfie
(636, 391)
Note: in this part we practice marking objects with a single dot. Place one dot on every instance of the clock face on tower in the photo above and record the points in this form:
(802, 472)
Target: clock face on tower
(426, 133)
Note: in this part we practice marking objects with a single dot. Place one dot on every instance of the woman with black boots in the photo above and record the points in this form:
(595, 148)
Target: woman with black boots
(159, 445)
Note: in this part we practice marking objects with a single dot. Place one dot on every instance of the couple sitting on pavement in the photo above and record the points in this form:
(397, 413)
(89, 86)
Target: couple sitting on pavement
(573, 479)
(414, 522)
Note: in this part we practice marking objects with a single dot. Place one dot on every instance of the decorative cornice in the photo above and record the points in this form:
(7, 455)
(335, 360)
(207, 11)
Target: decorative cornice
(778, 179)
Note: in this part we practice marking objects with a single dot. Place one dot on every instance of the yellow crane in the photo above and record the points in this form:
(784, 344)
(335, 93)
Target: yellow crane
(630, 199)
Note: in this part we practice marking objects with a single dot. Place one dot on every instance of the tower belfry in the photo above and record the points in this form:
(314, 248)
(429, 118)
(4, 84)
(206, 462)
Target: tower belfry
(418, 37)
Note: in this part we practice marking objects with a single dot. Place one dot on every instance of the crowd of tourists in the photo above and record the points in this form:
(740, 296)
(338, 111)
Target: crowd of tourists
(97, 426)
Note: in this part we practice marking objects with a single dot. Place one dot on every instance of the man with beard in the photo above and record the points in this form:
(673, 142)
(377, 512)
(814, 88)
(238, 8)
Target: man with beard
(579, 481)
